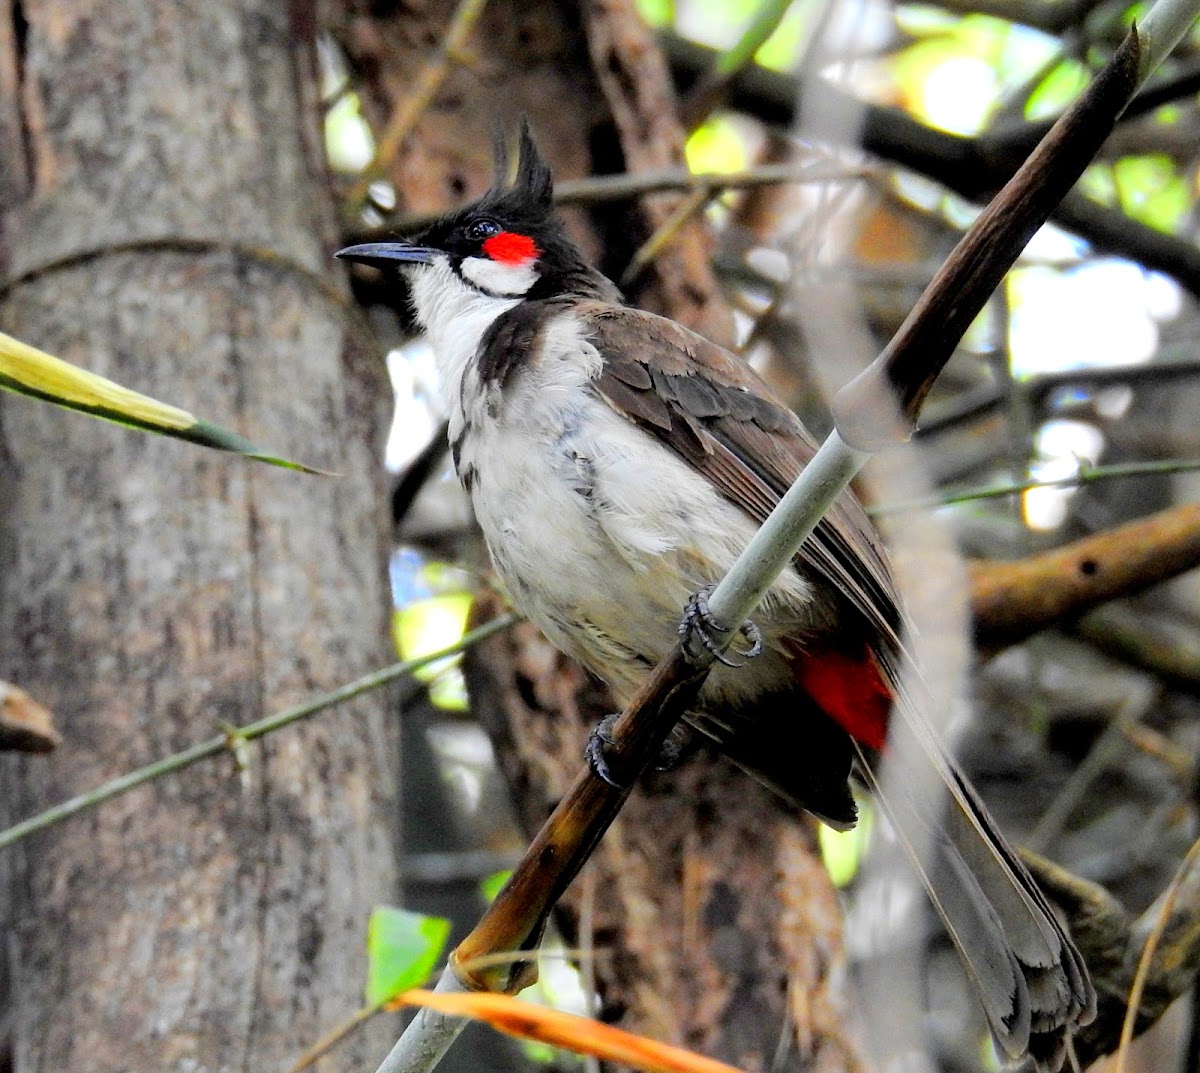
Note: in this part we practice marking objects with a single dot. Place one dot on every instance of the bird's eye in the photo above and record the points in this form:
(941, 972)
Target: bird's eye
(482, 229)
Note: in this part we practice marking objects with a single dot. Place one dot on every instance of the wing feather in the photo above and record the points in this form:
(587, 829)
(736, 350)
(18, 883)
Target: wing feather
(714, 411)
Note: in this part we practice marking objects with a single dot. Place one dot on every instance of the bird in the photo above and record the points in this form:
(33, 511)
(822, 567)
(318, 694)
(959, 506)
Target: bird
(617, 463)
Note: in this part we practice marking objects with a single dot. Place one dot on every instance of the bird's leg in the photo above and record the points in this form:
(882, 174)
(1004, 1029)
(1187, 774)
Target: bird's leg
(672, 751)
(698, 623)
(599, 740)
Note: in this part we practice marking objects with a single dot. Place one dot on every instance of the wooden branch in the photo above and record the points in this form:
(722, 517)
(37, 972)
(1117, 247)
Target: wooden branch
(864, 410)
(1171, 652)
(1013, 600)
(1114, 961)
(626, 186)
(1112, 942)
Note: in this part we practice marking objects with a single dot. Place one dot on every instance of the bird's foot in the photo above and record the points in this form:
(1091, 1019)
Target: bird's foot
(598, 741)
(698, 623)
(669, 755)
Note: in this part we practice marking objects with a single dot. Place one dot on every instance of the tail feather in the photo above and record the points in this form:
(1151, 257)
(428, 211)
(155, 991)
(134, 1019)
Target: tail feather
(1030, 977)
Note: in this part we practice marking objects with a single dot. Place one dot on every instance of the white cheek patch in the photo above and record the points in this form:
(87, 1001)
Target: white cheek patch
(511, 279)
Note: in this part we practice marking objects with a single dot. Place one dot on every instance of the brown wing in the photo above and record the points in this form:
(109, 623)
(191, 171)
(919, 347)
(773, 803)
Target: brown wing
(718, 415)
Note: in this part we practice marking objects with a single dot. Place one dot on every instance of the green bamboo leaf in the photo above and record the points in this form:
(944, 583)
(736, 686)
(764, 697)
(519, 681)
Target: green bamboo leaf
(402, 950)
(29, 371)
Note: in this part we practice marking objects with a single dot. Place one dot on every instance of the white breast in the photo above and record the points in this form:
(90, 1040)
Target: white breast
(599, 531)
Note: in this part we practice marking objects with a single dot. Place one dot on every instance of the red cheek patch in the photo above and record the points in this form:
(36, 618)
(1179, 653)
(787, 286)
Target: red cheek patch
(509, 248)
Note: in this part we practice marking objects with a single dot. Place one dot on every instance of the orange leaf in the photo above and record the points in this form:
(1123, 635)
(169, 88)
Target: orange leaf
(580, 1034)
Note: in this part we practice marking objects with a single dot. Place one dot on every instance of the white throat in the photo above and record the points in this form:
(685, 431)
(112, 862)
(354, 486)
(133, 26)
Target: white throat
(455, 316)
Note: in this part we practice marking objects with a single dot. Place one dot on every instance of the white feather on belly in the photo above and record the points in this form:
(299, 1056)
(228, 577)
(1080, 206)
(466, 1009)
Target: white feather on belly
(600, 532)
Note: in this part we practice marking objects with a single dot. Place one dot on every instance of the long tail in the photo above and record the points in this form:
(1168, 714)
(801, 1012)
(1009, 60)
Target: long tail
(1030, 977)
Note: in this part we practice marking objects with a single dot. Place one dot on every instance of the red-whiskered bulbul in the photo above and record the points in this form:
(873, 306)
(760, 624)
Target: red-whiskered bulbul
(618, 463)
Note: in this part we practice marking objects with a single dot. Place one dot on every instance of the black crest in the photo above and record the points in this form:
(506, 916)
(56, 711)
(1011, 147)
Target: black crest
(533, 184)
(524, 205)
(530, 195)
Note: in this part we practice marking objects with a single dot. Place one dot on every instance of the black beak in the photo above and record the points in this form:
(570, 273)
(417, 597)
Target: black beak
(386, 254)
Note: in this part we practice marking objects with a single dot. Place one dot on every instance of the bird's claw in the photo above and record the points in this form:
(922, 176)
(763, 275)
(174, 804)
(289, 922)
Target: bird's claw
(672, 751)
(598, 740)
(698, 623)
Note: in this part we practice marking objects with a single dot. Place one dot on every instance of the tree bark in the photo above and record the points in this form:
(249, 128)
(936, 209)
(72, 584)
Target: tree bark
(175, 236)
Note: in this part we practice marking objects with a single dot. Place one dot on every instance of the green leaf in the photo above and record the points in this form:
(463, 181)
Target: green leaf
(402, 950)
(1152, 190)
(490, 886)
(1057, 90)
(26, 370)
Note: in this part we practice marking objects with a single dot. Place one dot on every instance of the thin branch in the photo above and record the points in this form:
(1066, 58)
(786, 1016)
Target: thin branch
(928, 336)
(972, 167)
(710, 89)
(1049, 17)
(428, 81)
(601, 189)
(1125, 634)
(335, 1036)
(235, 737)
(1013, 600)
(1086, 475)
(1114, 946)
(1103, 753)
(663, 236)
(1146, 961)
(1172, 362)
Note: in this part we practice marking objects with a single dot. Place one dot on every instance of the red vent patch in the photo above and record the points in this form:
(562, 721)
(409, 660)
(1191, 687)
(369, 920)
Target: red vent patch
(509, 248)
(849, 689)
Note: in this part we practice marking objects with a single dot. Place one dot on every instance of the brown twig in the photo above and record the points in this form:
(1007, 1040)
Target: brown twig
(1161, 918)
(971, 167)
(663, 236)
(1113, 946)
(517, 917)
(1120, 631)
(602, 189)
(905, 371)
(1013, 600)
(428, 81)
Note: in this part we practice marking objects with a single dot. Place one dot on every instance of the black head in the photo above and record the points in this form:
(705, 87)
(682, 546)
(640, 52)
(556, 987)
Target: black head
(508, 244)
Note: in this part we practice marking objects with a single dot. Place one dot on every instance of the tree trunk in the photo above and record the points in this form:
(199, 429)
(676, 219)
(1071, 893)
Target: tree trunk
(168, 227)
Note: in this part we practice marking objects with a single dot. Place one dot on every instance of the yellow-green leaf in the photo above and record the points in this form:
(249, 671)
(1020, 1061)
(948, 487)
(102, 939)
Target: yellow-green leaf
(29, 371)
(402, 949)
